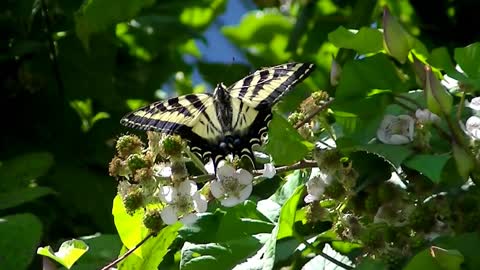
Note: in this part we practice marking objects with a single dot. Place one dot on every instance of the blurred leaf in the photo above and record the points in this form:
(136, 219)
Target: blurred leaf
(190, 48)
(394, 154)
(17, 197)
(219, 255)
(284, 143)
(287, 214)
(130, 227)
(429, 165)
(263, 35)
(345, 247)
(202, 14)
(20, 170)
(364, 41)
(215, 73)
(468, 58)
(85, 112)
(68, 253)
(423, 260)
(97, 15)
(153, 250)
(467, 244)
(371, 264)
(21, 235)
(447, 258)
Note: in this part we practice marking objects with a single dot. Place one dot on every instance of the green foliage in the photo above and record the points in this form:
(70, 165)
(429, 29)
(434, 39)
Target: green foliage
(71, 69)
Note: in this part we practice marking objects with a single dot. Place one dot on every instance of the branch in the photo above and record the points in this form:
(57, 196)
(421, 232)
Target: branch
(303, 164)
(126, 254)
(315, 112)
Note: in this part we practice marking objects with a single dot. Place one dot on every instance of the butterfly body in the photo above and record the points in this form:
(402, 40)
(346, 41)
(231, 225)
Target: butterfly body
(231, 120)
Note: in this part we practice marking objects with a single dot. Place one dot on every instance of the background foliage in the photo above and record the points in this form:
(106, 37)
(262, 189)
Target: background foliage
(71, 69)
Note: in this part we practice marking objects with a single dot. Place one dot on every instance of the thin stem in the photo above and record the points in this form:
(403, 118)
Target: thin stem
(313, 114)
(126, 254)
(405, 106)
(53, 54)
(461, 105)
(319, 252)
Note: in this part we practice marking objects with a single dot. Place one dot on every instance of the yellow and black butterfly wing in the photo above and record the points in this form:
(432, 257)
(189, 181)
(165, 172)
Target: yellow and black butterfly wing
(172, 116)
(263, 88)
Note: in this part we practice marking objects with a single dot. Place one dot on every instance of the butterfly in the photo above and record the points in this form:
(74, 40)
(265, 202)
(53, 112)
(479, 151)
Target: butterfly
(231, 120)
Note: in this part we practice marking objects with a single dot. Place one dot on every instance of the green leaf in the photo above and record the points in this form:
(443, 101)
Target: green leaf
(319, 262)
(423, 260)
(68, 253)
(371, 264)
(270, 250)
(204, 230)
(467, 244)
(366, 40)
(95, 16)
(287, 214)
(219, 255)
(103, 248)
(285, 145)
(243, 220)
(20, 170)
(429, 165)
(130, 227)
(361, 77)
(153, 250)
(20, 236)
(17, 197)
(468, 58)
(393, 154)
(447, 259)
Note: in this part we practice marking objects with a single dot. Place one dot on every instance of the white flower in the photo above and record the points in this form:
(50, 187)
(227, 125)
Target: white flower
(182, 201)
(474, 104)
(269, 170)
(473, 127)
(425, 116)
(396, 129)
(316, 185)
(162, 170)
(231, 187)
(451, 83)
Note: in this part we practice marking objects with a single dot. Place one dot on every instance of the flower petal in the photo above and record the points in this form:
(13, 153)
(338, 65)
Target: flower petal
(200, 202)
(189, 219)
(269, 170)
(473, 126)
(217, 190)
(244, 177)
(474, 104)
(230, 201)
(169, 215)
(225, 170)
(167, 194)
(209, 167)
(187, 187)
(245, 192)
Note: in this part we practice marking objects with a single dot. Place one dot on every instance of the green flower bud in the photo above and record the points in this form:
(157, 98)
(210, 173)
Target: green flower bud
(172, 145)
(153, 220)
(464, 160)
(398, 41)
(334, 190)
(128, 144)
(327, 160)
(133, 199)
(439, 101)
(137, 161)
(295, 117)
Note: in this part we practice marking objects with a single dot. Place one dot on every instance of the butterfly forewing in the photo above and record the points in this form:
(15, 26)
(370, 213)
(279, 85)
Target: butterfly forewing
(171, 116)
(263, 88)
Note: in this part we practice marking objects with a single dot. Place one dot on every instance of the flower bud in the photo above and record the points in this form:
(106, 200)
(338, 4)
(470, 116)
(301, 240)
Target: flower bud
(128, 144)
(153, 220)
(118, 167)
(439, 101)
(464, 160)
(172, 145)
(136, 161)
(133, 199)
(335, 72)
(398, 41)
